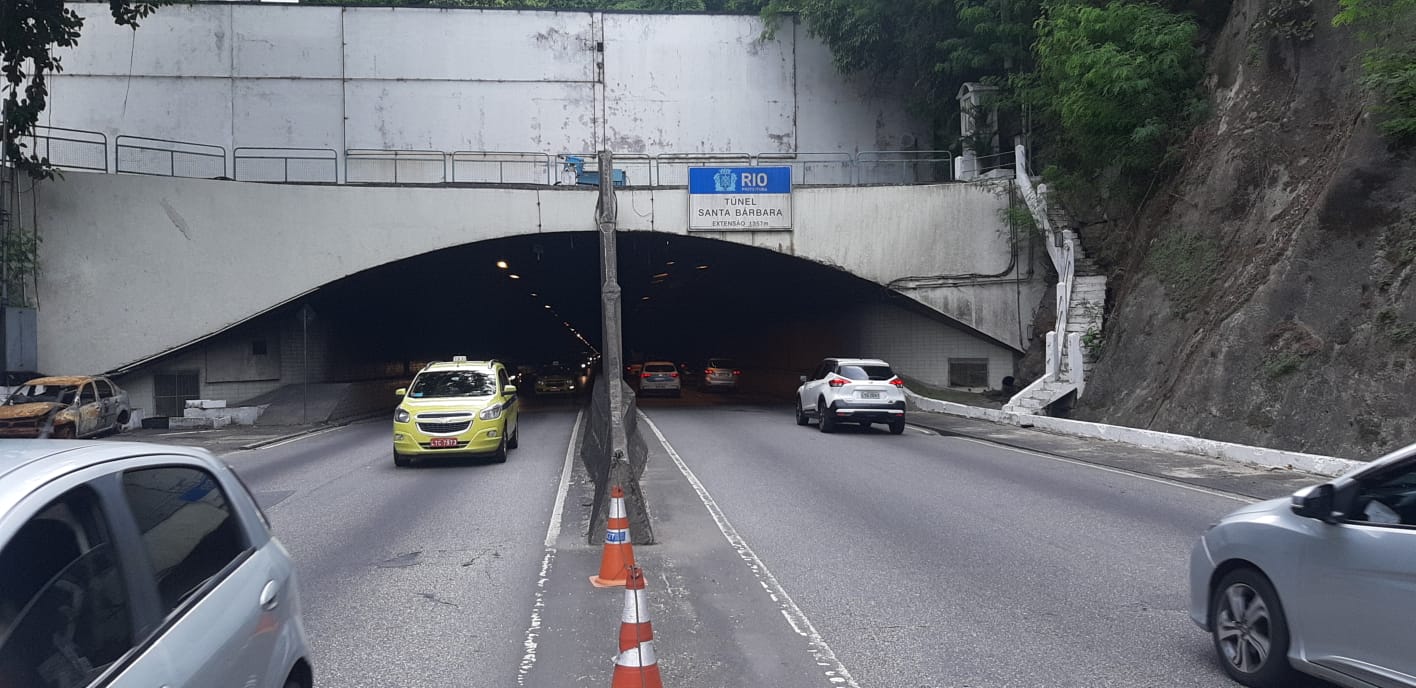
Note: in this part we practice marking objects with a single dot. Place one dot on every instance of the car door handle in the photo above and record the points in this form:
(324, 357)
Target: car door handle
(270, 596)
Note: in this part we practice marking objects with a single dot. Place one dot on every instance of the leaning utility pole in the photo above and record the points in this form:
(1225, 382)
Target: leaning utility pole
(605, 216)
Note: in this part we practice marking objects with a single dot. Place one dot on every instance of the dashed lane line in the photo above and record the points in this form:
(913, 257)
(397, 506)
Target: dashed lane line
(533, 631)
(836, 673)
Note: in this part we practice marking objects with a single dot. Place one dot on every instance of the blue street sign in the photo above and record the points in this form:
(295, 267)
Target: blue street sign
(739, 180)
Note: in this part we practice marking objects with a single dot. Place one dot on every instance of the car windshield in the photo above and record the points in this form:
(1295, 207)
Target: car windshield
(866, 372)
(554, 371)
(722, 363)
(659, 368)
(29, 394)
(453, 383)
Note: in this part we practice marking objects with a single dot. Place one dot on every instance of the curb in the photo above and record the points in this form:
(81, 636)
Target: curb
(1329, 466)
(310, 431)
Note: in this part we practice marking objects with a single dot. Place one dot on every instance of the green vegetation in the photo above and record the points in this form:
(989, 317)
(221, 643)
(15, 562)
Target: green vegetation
(1286, 19)
(1281, 363)
(21, 251)
(1186, 264)
(1389, 65)
(1394, 327)
(29, 30)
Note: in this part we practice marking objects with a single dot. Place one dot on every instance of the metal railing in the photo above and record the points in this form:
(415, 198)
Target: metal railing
(168, 157)
(904, 167)
(285, 165)
(671, 169)
(813, 169)
(70, 149)
(502, 168)
(88, 150)
(372, 166)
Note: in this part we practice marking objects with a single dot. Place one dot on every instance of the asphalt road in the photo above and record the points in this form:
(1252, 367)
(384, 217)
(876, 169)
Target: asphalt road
(791, 558)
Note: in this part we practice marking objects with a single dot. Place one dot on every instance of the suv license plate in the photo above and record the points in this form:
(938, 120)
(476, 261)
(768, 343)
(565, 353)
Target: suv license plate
(870, 395)
(438, 442)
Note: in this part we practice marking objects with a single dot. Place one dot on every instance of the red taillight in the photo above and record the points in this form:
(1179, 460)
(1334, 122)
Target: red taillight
(737, 372)
(708, 371)
(838, 382)
(645, 376)
(898, 383)
(673, 374)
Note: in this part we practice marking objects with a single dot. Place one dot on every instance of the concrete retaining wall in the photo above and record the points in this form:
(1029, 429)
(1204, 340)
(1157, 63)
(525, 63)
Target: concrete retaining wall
(408, 78)
(1150, 439)
(595, 454)
(112, 242)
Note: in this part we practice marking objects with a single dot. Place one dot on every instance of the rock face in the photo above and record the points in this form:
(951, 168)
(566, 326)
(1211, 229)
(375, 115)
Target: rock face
(1264, 296)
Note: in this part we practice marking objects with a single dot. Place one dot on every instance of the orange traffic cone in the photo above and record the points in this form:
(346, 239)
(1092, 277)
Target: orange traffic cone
(636, 666)
(618, 555)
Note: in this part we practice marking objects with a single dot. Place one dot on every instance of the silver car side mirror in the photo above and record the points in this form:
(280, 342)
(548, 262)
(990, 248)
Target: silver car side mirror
(1315, 502)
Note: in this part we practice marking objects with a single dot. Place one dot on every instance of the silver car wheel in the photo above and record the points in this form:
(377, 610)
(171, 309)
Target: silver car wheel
(1243, 628)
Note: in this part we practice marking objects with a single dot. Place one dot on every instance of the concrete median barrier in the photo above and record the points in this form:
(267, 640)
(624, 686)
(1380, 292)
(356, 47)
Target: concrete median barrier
(608, 470)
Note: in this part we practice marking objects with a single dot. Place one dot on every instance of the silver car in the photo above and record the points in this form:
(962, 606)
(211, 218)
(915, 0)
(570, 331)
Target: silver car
(660, 377)
(1323, 583)
(133, 565)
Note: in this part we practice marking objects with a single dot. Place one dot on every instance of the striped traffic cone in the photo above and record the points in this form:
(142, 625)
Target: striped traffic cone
(636, 666)
(618, 555)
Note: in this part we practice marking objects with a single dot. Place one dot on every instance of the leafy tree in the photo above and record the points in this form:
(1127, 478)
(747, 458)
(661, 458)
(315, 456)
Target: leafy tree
(1117, 83)
(1389, 66)
(29, 30)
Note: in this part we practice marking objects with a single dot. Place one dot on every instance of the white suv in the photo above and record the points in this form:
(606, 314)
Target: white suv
(852, 390)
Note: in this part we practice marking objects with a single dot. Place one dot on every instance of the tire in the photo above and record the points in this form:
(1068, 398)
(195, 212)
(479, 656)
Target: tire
(1249, 630)
(401, 461)
(500, 456)
(827, 423)
(801, 417)
(897, 427)
(515, 440)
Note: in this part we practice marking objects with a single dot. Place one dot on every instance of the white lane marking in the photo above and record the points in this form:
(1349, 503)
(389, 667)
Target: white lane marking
(836, 672)
(922, 430)
(1118, 471)
(316, 433)
(533, 632)
(553, 530)
(188, 432)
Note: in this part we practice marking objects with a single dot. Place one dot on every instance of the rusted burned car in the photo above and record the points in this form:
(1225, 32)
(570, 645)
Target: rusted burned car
(65, 407)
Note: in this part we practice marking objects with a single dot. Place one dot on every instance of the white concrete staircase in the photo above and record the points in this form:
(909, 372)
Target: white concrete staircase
(1081, 302)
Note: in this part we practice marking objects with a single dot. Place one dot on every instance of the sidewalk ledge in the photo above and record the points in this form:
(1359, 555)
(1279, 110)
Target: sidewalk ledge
(1258, 456)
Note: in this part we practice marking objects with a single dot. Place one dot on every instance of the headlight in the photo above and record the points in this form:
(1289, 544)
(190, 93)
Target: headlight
(492, 412)
(400, 416)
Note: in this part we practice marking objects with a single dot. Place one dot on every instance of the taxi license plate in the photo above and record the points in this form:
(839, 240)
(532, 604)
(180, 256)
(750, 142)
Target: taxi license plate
(870, 395)
(438, 442)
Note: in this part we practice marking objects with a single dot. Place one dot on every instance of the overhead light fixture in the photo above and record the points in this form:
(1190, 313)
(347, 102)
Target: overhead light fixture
(643, 298)
(669, 263)
(547, 306)
(514, 276)
(534, 294)
(703, 267)
(502, 264)
(662, 275)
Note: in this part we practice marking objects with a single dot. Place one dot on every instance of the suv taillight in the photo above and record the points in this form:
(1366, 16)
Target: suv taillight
(838, 382)
(898, 383)
(644, 375)
(673, 374)
(737, 372)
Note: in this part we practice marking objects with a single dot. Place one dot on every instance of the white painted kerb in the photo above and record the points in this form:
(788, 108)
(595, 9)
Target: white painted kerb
(1149, 439)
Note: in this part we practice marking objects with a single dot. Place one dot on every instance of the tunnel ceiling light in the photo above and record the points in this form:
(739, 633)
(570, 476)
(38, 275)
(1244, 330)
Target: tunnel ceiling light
(643, 298)
(669, 263)
(502, 264)
(661, 276)
(534, 294)
(547, 306)
(514, 276)
(703, 267)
